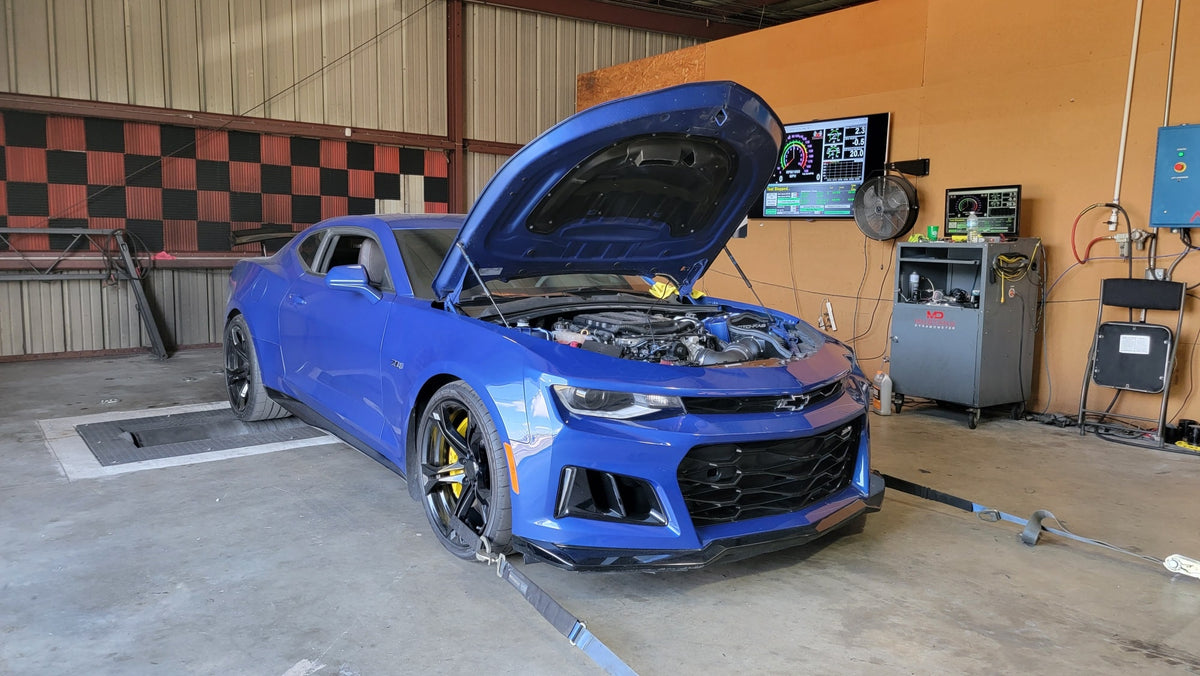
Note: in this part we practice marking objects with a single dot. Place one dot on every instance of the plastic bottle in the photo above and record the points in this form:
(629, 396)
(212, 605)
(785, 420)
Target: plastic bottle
(882, 402)
(914, 288)
(974, 234)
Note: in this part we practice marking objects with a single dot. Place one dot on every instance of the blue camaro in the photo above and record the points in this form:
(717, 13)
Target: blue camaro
(541, 371)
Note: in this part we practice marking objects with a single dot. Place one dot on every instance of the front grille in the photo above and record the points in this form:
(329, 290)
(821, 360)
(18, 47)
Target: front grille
(769, 404)
(722, 483)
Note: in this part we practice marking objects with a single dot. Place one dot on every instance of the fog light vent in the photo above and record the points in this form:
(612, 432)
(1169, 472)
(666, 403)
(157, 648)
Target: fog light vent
(592, 494)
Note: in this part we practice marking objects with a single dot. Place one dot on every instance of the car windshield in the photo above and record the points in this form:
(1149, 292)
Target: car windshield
(570, 283)
(423, 251)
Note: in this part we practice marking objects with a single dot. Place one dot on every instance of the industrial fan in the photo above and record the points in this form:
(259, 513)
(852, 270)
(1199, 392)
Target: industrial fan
(885, 207)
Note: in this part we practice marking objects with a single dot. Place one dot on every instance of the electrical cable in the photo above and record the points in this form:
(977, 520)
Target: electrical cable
(1087, 253)
(1185, 238)
(1075, 226)
(1012, 267)
(781, 286)
(1152, 253)
(1072, 266)
(1043, 271)
(792, 272)
(887, 344)
(1128, 233)
(1169, 448)
(879, 294)
(858, 294)
(1191, 376)
(1021, 354)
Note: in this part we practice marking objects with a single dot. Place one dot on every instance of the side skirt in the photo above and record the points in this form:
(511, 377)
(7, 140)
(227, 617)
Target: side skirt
(309, 415)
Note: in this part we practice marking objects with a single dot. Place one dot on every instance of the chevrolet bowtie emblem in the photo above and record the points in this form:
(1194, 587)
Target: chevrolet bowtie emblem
(796, 402)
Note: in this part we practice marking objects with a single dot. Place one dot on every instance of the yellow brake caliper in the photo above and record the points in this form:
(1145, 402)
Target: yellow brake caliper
(452, 456)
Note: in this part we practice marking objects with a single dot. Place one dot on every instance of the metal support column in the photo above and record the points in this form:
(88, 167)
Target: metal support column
(456, 115)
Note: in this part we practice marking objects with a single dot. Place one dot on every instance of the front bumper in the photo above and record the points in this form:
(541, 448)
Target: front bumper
(726, 549)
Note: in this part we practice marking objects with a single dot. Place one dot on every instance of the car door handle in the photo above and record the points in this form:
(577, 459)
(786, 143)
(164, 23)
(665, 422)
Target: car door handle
(296, 300)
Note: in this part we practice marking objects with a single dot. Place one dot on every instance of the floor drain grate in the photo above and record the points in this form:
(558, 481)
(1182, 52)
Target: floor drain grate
(167, 436)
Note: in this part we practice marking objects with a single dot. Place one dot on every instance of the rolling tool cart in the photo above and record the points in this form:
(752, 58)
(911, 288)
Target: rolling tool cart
(963, 323)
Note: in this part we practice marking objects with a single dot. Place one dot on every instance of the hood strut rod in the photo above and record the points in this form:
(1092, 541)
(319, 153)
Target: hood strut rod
(486, 291)
(744, 277)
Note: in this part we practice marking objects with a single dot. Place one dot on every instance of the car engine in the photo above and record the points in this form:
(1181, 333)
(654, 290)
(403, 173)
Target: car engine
(686, 338)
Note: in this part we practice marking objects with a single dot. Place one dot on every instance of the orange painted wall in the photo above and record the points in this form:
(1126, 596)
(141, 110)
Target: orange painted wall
(992, 92)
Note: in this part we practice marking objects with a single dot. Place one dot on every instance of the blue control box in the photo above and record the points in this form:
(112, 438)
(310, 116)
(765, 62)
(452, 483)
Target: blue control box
(1175, 202)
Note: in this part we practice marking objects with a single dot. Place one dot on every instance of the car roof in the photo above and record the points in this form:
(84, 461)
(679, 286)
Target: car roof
(422, 221)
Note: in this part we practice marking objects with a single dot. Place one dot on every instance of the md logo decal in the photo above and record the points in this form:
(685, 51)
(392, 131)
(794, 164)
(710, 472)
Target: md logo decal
(934, 319)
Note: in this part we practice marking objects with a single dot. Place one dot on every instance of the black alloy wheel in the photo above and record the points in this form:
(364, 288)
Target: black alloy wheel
(464, 473)
(243, 381)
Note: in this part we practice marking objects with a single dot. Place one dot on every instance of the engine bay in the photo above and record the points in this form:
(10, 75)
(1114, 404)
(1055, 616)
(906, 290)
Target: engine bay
(684, 336)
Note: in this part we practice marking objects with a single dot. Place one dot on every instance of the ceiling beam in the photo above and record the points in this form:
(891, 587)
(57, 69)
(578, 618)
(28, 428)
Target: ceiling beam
(590, 10)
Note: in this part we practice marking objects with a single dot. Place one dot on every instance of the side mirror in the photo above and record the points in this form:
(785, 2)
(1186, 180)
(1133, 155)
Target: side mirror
(352, 278)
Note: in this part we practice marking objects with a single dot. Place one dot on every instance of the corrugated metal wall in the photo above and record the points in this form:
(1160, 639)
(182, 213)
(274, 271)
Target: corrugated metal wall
(480, 167)
(521, 67)
(385, 60)
(81, 315)
(238, 57)
(243, 57)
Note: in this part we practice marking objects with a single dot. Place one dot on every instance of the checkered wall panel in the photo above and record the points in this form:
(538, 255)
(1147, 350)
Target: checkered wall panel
(183, 189)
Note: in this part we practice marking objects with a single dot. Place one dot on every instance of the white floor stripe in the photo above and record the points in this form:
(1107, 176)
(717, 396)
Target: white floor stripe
(77, 461)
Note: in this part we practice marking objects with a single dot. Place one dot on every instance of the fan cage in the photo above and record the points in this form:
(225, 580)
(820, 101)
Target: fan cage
(885, 207)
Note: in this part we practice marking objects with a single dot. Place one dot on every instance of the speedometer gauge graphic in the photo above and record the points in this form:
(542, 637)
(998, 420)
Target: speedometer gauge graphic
(795, 159)
(968, 204)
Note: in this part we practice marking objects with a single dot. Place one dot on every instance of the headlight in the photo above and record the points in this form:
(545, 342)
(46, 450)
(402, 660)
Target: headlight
(859, 388)
(619, 405)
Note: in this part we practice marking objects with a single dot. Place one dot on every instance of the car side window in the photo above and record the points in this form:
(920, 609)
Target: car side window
(348, 248)
(307, 251)
(343, 250)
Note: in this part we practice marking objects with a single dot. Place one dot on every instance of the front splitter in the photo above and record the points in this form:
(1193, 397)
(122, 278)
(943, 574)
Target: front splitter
(724, 550)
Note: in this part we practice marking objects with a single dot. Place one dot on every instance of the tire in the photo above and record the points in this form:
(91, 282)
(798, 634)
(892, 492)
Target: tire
(463, 473)
(243, 379)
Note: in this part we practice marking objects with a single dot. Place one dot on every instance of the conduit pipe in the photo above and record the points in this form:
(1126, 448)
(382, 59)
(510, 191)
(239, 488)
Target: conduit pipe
(1133, 53)
(1171, 66)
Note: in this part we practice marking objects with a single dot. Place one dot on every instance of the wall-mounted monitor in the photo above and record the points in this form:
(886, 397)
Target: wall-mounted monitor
(997, 207)
(822, 164)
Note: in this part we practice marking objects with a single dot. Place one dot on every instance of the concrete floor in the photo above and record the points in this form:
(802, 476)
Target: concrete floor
(315, 561)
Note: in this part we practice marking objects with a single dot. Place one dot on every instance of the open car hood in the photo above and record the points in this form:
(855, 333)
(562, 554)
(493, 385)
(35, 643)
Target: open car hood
(650, 184)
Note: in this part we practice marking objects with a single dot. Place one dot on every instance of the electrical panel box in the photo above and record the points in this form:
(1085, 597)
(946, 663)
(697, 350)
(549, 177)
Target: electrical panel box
(1175, 202)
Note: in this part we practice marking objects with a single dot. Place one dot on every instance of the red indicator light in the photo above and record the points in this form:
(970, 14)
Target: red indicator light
(1180, 167)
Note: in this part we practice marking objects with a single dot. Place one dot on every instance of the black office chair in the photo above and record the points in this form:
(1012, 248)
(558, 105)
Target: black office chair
(1133, 355)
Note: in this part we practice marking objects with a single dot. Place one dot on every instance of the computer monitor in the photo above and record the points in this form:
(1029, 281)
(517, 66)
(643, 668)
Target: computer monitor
(997, 207)
(821, 165)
